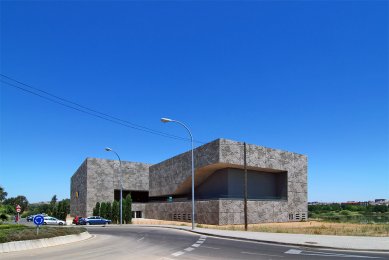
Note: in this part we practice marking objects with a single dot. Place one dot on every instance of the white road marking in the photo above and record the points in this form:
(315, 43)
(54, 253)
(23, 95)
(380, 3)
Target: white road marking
(191, 248)
(210, 247)
(140, 239)
(318, 253)
(293, 252)
(253, 253)
(178, 253)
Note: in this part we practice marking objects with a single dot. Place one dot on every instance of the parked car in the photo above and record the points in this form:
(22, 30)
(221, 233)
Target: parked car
(76, 220)
(53, 221)
(94, 220)
(30, 218)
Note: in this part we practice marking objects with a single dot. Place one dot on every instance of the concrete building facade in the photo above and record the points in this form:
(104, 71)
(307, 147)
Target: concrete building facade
(277, 185)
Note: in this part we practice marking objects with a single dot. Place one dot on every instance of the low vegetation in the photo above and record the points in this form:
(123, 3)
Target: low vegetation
(313, 228)
(55, 208)
(15, 232)
(303, 227)
(111, 211)
(344, 213)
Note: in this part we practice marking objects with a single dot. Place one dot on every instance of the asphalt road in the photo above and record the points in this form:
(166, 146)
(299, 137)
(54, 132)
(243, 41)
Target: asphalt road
(134, 242)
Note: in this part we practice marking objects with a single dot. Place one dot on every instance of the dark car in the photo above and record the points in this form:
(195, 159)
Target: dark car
(94, 220)
(30, 218)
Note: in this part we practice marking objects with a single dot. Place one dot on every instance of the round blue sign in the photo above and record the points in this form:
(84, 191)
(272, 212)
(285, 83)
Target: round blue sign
(38, 220)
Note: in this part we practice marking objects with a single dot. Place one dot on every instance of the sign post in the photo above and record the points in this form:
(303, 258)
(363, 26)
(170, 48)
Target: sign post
(38, 221)
(18, 209)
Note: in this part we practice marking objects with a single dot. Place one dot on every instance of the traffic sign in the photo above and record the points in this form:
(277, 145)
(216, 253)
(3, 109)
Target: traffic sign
(18, 208)
(38, 220)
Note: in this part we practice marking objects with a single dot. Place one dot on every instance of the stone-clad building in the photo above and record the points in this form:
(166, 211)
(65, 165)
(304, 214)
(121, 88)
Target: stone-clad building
(277, 185)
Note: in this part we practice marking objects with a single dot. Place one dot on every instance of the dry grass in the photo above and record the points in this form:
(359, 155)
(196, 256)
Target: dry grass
(144, 221)
(309, 227)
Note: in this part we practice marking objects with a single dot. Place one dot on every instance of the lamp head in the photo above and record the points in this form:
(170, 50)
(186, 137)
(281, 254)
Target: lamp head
(108, 149)
(166, 120)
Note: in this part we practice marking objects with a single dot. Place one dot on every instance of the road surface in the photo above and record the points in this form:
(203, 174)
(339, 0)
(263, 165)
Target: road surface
(134, 242)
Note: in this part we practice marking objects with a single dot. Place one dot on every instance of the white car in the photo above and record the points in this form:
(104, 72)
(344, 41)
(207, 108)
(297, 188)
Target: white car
(53, 221)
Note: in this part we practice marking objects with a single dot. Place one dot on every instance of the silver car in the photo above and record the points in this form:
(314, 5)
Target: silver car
(53, 221)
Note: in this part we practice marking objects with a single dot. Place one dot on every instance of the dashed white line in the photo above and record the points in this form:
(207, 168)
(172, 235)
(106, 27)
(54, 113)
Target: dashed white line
(192, 247)
(210, 247)
(293, 252)
(252, 253)
(178, 253)
(325, 254)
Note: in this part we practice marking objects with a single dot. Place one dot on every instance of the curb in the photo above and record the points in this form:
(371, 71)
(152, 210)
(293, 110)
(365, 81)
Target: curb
(271, 242)
(43, 242)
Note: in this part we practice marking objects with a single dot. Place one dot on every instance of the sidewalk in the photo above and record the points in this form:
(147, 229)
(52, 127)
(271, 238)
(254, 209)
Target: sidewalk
(324, 241)
(43, 242)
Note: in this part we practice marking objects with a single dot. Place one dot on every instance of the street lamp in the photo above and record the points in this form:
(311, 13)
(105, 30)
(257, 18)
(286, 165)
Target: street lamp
(168, 120)
(121, 184)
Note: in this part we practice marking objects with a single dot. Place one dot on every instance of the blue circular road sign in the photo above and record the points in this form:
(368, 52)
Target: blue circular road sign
(38, 220)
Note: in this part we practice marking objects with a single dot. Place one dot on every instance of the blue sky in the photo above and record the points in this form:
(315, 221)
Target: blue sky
(305, 76)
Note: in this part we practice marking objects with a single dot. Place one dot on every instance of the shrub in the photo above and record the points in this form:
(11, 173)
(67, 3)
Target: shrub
(103, 210)
(109, 210)
(96, 209)
(115, 211)
(127, 209)
(3, 217)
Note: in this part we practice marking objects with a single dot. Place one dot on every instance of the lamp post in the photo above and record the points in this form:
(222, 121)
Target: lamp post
(168, 120)
(121, 184)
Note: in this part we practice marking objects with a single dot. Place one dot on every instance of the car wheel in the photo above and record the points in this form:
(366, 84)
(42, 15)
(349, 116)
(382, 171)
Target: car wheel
(106, 223)
(87, 223)
(44, 223)
(60, 223)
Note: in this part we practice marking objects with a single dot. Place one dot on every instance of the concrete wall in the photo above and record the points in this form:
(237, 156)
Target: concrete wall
(98, 178)
(172, 177)
(271, 159)
(208, 211)
(78, 191)
(220, 212)
(166, 177)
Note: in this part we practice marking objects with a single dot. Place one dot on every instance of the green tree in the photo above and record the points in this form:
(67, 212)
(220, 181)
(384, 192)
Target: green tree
(109, 210)
(115, 211)
(19, 200)
(96, 209)
(380, 208)
(3, 194)
(57, 210)
(103, 209)
(53, 204)
(127, 209)
(66, 207)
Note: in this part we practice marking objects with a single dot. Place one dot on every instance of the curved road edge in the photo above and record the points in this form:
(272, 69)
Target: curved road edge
(43, 242)
(360, 244)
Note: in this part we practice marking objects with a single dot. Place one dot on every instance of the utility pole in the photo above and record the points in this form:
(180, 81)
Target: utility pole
(245, 185)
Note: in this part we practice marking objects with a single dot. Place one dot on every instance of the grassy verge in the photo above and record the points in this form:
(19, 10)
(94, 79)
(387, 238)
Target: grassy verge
(313, 228)
(10, 233)
(308, 227)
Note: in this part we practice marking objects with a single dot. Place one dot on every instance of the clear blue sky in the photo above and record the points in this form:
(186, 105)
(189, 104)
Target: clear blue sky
(305, 76)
